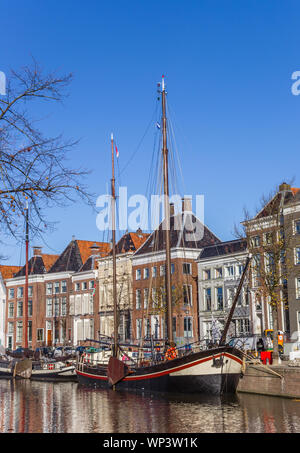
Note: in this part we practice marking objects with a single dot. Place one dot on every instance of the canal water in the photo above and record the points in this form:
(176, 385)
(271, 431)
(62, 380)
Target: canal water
(39, 407)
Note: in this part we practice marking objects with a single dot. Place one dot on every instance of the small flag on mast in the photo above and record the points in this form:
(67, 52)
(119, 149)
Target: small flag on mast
(157, 125)
(117, 152)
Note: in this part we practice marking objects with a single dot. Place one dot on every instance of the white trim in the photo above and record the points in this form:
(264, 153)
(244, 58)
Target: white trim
(154, 257)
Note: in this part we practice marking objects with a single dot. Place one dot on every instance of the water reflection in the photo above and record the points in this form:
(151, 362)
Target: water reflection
(27, 406)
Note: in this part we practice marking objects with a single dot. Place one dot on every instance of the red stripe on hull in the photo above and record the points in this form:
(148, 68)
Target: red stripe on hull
(162, 373)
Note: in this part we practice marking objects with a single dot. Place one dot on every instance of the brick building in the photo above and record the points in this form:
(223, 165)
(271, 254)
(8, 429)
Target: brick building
(5, 273)
(51, 287)
(125, 248)
(148, 269)
(280, 217)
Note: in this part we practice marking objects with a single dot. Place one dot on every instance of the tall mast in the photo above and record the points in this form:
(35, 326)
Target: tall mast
(167, 217)
(113, 211)
(25, 326)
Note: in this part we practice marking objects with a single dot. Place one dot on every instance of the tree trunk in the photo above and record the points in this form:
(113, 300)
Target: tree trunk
(275, 354)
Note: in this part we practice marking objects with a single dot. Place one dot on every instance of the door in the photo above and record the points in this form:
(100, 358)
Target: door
(49, 337)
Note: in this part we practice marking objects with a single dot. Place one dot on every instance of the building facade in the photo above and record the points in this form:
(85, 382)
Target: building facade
(220, 268)
(148, 276)
(51, 287)
(125, 248)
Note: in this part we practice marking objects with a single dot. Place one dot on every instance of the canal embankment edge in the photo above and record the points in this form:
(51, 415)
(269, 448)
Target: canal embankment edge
(271, 380)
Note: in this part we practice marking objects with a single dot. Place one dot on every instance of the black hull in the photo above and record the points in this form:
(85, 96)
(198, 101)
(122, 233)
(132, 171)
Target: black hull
(166, 377)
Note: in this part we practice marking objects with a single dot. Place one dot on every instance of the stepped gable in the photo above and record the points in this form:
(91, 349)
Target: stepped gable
(76, 255)
(9, 271)
(179, 237)
(130, 242)
(38, 264)
(224, 248)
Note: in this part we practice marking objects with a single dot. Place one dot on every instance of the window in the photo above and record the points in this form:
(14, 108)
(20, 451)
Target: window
(138, 299)
(219, 292)
(10, 328)
(146, 273)
(187, 294)
(154, 271)
(297, 226)
(40, 334)
(138, 329)
(242, 326)
(29, 331)
(230, 296)
(146, 297)
(77, 286)
(49, 288)
(19, 309)
(298, 288)
(229, 271)
(19, 335)
(206, 274)
(269, 259)
(11, 310)
(163, 270)
(255, 241)
(172, 268)
(30, 308)
(268, 238)
(256, 263)
(48, 307)
(219, 272)
(240, 269)
(138, 274)
(188, 326)
(63, 306)
(56, 307)
(186, 268)
(174, 325)
(11, 293)
(30, 291)
(207, 297)
(63, 286)
(92, 284)
(56, 288)
(84, 285)
(20, 292)
(154, 298)
(297, 255)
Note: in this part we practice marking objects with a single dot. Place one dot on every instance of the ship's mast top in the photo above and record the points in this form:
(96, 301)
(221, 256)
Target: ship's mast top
(168, 284)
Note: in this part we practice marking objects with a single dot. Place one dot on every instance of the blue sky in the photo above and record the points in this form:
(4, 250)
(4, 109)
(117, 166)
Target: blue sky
(228, 66)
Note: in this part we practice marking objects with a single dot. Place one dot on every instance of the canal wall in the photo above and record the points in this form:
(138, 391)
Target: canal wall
(275, 380)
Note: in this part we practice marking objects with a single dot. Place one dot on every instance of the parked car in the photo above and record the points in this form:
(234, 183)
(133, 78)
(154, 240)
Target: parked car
(80, 349)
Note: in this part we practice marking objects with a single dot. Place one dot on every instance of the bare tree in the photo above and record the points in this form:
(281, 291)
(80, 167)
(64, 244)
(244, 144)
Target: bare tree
(33, 166)
(269, 242)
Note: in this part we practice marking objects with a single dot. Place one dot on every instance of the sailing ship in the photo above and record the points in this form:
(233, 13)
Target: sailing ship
(216, 370)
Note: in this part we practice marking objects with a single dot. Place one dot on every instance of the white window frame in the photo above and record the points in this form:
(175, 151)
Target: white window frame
(138, 299)
(43, 333)
(138, 274)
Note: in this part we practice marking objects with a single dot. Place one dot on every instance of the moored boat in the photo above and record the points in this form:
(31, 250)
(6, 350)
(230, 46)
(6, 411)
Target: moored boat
(216, 370)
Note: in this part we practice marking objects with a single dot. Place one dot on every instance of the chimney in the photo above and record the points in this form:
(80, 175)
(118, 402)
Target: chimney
(172, 209)
(187, 204)
(284, 186)
(37, 250)
(94, 249)
(139, 231)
